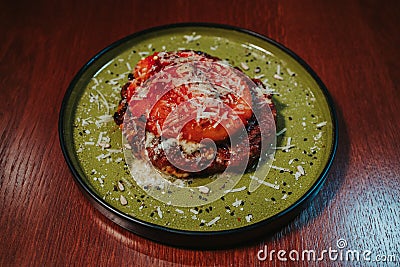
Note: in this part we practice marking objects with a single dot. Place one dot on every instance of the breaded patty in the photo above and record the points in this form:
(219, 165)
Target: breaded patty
(202, 138)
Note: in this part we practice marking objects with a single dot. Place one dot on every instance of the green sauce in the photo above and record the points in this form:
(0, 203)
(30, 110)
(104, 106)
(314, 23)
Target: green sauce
(302, 111)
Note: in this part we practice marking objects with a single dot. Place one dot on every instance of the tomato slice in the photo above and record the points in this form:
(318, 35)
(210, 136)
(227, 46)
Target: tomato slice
(192, 110)
(175, 116)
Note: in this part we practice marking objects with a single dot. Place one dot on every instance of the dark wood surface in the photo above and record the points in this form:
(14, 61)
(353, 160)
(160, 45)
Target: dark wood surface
(354, 47)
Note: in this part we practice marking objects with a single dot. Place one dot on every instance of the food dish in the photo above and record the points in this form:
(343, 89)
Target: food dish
(183, 108)
(306, 140)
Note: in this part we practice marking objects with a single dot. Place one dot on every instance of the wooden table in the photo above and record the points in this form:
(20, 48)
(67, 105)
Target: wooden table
(354, 47)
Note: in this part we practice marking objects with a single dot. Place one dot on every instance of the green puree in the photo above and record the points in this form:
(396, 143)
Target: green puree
(302, 111)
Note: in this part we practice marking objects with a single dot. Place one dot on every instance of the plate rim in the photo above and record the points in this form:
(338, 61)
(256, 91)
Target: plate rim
(207, 239)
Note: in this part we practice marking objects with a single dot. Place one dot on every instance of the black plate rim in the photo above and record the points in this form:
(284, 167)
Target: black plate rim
(186, 238)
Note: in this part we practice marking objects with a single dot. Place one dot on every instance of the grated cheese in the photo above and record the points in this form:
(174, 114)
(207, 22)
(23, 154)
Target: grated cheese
(204, 189)
(86, 121)
(105, 118)
(288, 144)
(318, 136)
(159, 212)
(280, 168)
(123, 200)
(278, 77)
(144, 53)
(96, 82)
(191, 38)
(104, 145)
(114, 81)
(213, 221)
(284, 148)
(179, 211)
(249, 218)
(194, 211)
(120, 186)
(281, 132)
(275, 186)
(237, 203)
(235, 190)
(290, 72)
(100, 138)
(104, 101)
(301, 170)
(278, 69)
(244, 66)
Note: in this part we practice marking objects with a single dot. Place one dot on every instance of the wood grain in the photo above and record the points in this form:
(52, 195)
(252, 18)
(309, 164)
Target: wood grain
(352, 45)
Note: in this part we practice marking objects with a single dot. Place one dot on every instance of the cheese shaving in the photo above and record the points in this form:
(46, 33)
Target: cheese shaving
(159, 212)
(213, 221)
(281, 132)
(278, 77)
(235, 190)
(274, 186)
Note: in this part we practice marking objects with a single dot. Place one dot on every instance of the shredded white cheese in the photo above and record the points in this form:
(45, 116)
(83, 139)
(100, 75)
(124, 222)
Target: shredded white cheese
(318, 136)
(194, 211)
(204, 189)
(237, 203)
(123, 200)
(288, 144)
(285, 148)
(290, 72)
(321, 124)
(244, 66)
(275, 186)
(159, 212)
(249, 218)
(213, 221)
(301, 170)
(179, 211)
(280, 168)
(191, 38)
(278, 69)
(235, 190)
(144, 53)
(281, 132)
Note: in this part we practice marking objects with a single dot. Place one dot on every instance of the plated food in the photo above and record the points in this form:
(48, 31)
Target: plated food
(204, 214)
(182, 109)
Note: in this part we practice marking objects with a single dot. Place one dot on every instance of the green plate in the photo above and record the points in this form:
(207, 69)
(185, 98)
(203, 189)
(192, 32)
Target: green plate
(305, 145)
